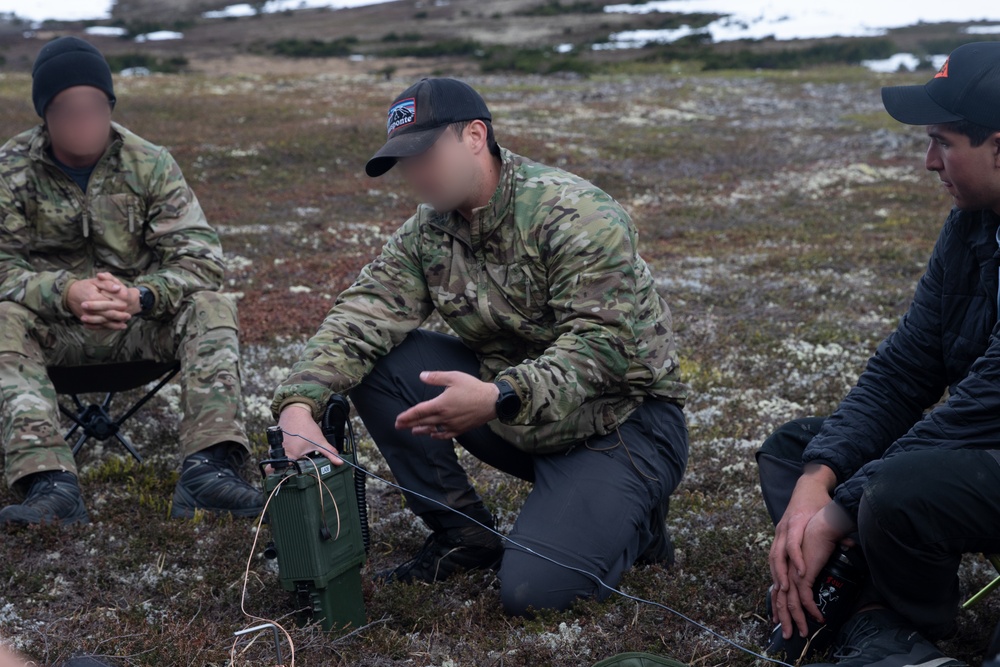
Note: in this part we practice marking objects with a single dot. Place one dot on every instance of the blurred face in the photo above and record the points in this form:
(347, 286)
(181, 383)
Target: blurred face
(446, 175)
(970, 174)
(79, 121)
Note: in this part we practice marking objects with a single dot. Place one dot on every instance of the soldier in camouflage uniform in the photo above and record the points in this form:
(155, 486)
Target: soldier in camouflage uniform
(562, 370)
(106, 256)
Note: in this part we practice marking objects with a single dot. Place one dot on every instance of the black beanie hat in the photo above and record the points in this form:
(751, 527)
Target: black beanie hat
(64, 63)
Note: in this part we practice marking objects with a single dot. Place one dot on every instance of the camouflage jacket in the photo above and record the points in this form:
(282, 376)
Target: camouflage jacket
(138, 220)
(544, 284)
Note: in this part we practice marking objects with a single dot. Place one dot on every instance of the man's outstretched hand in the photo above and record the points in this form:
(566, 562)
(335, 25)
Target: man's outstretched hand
(466, 403)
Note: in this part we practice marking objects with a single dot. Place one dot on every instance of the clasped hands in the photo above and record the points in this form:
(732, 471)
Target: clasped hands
(103, 302)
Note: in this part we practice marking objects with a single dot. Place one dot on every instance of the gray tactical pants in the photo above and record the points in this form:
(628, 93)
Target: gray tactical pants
(591, 507)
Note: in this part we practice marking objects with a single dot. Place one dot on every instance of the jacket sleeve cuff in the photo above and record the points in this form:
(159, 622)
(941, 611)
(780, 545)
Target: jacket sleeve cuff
(313, 396)
(848, 496)
(816, 455)
(64, 299)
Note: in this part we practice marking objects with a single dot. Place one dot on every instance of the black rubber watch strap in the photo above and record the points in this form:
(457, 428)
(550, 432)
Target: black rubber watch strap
(508, 402)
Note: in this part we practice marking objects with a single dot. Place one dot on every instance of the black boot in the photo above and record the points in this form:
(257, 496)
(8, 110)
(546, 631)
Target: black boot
(210, 482)
(882, 638)
(84, 661)
(448, 551)
(52, 497)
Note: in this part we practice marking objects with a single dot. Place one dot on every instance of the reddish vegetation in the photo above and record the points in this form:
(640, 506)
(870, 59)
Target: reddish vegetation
(786, 223)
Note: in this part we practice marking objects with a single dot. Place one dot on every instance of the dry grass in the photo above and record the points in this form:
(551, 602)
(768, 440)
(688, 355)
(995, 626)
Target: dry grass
(786, 220)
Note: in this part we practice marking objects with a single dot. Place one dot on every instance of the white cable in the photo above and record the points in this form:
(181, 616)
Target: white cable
(531, 551)
(246, 579)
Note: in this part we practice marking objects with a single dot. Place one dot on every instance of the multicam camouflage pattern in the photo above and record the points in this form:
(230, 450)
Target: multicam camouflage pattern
(203, 337)
(544, 284)
(140, 221)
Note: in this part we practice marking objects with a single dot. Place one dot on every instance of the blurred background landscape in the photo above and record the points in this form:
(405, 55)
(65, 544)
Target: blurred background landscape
(785, 216)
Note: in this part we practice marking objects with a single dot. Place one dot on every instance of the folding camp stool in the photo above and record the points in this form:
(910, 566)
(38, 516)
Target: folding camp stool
(95, 420)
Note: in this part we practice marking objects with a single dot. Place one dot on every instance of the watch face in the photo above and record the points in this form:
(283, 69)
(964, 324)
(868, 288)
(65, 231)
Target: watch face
(508, 404)
(145, 298)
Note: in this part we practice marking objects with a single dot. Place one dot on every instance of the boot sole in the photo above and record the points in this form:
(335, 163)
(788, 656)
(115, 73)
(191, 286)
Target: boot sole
(26, 517)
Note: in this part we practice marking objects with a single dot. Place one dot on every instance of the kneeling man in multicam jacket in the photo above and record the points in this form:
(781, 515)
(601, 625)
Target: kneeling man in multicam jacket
(561, 370)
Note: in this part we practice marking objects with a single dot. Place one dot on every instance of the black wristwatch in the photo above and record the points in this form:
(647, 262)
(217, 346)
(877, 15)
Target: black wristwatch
(508, 402)
(146, 299)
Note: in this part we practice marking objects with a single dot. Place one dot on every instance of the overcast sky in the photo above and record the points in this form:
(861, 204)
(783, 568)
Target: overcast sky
(785, 19)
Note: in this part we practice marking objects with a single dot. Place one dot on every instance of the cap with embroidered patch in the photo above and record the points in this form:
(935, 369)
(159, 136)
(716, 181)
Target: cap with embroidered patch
(967, 87)
(420, 115)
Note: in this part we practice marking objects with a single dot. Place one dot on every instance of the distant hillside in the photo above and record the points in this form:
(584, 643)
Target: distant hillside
(163, 10)
(533, 36)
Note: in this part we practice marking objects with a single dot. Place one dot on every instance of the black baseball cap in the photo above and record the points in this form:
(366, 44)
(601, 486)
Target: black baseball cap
(421, 114)
(967, 87)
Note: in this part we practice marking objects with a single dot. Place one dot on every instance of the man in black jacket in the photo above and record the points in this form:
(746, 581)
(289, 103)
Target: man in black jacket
(916, 490)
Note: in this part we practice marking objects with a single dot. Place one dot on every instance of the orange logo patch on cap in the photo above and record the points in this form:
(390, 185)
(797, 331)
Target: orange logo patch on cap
(943, 72)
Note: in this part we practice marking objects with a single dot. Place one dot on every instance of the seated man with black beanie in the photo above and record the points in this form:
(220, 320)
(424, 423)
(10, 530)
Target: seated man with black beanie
(914, 481)
(106, 257)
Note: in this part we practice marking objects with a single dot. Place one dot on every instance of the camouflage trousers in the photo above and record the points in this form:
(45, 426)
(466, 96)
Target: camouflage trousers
(203, 336)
